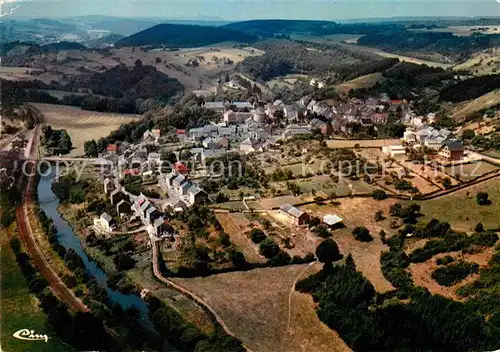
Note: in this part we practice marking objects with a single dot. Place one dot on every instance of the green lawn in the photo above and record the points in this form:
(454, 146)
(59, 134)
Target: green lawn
(470, 171)
(461, 210)
(19, 308)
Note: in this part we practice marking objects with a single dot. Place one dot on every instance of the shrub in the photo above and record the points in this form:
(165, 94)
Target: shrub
(445, 260)
(257, 236)
(483, 198)
(362, 234)
(268, 248)
(452, 274)
(379, 194)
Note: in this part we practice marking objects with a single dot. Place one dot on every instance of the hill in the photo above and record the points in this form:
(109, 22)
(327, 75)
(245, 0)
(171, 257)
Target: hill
(184, 36)
(140, 81)
(266, 28)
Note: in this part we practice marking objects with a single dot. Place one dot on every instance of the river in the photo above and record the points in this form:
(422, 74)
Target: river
(49, 203)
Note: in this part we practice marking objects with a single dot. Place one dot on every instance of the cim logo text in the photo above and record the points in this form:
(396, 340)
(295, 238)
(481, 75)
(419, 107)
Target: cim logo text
(29, 335)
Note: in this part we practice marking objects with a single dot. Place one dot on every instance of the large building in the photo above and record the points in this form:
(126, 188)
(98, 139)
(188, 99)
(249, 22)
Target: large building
(297, 216)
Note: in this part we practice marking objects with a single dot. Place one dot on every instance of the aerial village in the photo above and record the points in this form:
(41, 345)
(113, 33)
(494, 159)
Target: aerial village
(290, 144)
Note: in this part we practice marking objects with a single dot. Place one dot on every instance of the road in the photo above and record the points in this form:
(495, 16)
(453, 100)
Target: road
(26, 234)
(182, 289)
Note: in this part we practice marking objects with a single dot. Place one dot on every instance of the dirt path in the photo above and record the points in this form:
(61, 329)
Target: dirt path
(185, 291)
(292, 290)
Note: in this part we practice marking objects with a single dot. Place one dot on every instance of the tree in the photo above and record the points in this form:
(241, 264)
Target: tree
(328, 252)
(479, 227)
(379, 216)
(483, 198)
(362, 234)
(468, 134)
(446, 183)
(257, 236)
(268, 248)
(379, 194)
(383, 236)
(169, 156)
(90, 148)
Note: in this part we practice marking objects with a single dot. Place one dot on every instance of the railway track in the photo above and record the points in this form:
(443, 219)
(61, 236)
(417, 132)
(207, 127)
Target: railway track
(26, 234)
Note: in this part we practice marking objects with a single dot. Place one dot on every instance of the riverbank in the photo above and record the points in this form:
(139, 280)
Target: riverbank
(140, 276)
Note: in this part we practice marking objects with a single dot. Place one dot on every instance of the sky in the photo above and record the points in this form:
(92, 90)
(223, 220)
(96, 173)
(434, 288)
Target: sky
(251, 9)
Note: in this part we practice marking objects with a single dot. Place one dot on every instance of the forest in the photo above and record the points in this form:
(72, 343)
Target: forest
(284, 57)
(140, 81)
(471, 88)
(348, 303)
(184, 36)
(458, 48)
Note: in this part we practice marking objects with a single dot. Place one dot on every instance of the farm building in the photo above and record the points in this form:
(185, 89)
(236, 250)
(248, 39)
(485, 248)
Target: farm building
(333, 221)
(295, 214)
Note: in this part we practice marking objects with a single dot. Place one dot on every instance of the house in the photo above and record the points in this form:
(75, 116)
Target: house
(178, 181)
(217, 106)
(181, 168)
(105, 222)
(151, 214)
(230, 116)
(154, 158)
(210, 143)
(197, 195)
(409, 136)
(116, 196)
(123, 207)
(184, 187)
(333, 221)
(453, 150)
(242, 105)
(112, 148)
(249, 145)
(327, 129)
(295, 130)
(380, 118)
(162, 228)
(109, 185)
(394, 151)
(291, 112)
(296, 215)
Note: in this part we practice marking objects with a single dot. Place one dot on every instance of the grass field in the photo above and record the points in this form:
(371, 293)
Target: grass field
(367, 81)
(83, 125)
(461, 210)
(262, 308)
(468, 108)
(470, 171)
(360, 212)
(482, 63)
(19, 309)
(372, 143)
(236, 225)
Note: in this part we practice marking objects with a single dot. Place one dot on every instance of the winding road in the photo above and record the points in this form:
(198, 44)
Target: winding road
(185, 291)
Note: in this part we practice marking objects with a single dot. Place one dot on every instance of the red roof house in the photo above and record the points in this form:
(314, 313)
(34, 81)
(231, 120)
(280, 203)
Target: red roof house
(181, 168)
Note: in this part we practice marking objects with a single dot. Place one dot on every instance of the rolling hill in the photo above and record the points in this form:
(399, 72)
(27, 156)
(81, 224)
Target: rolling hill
(184, 36)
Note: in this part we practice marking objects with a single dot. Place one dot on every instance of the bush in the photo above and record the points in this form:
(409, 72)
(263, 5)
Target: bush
(452, 274)
(281, 259)
(379, 194)
(362, 234)
(268, 248)
(479, 227)
(483, 198)
(257, 236)
(445, 260)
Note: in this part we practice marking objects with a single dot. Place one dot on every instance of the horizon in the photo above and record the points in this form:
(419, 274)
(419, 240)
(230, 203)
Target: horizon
(246, 10)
